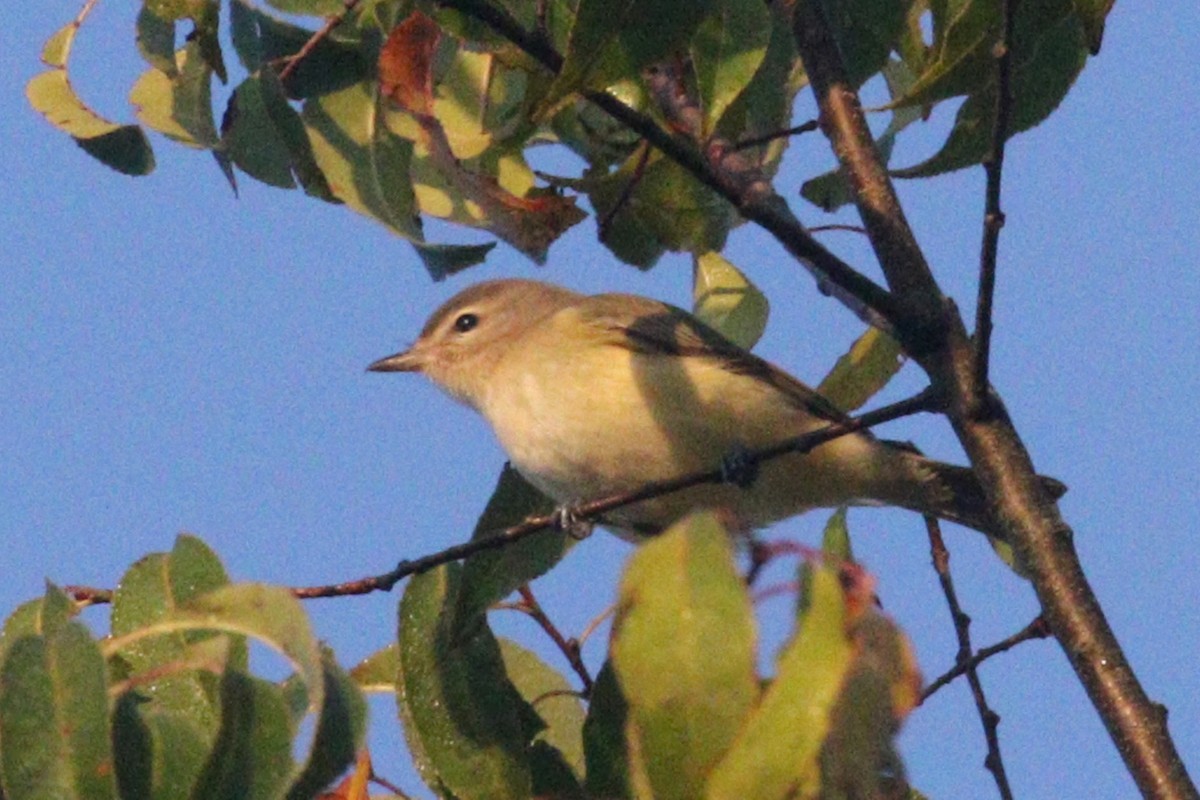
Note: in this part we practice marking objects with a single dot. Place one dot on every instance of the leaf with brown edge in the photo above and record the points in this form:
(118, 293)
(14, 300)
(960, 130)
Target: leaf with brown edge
(406, 63)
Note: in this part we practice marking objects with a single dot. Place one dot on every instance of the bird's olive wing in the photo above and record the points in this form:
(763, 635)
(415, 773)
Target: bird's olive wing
(655, 328)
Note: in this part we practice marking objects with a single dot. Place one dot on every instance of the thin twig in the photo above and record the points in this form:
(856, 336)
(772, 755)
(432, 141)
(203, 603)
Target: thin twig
(595, 623)
(317, 37)
(570, 648)
(993, 215)
(595, 509)
(838, 227)
(89, 595)
(1037, 629)
(962, 624)
(378, 779)
(605, 224)
(743, 144)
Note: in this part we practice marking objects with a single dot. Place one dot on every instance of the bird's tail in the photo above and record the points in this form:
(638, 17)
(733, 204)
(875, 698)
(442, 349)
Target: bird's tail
(953, 493)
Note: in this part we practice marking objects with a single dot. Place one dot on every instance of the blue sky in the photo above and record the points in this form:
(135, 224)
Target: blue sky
(176, 359)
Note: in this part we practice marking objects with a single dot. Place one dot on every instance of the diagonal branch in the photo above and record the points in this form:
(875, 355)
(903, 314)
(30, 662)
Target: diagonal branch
(596, 509)
(1026, 513)
(754, 200)
(962, 629)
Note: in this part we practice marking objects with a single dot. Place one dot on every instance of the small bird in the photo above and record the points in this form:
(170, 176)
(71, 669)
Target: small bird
(595, 395)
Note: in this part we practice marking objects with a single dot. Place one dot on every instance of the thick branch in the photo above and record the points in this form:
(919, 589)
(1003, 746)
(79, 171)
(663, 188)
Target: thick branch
(1023, 510)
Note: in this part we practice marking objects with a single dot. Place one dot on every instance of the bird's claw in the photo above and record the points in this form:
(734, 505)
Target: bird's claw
(567, 520)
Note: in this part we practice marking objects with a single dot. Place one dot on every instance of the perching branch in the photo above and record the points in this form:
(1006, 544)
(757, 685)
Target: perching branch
(1042, 541)
(596, 509)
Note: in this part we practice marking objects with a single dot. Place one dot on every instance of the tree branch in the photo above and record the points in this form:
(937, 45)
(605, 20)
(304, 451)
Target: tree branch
(1036, 629)
(595, 509)
(993, 215)
(754, 200)
(962, 629)
(1002, 464)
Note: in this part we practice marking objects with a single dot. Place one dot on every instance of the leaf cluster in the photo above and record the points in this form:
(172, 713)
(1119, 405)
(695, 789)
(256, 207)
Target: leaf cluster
(408, 109)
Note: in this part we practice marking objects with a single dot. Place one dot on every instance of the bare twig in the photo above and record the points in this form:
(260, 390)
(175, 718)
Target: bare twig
(807, 127)
(605, 224)
(321, 34)
(570, 648)
(836, 227)
(595, 623)
(962, 625)
(993, 215)
(1037, 629)
(378, 779)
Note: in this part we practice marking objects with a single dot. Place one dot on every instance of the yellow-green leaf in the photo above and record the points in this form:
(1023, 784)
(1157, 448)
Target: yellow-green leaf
(724, 298)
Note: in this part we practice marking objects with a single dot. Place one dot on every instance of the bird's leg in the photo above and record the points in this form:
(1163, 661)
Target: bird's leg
(739, 467)
(567, 520)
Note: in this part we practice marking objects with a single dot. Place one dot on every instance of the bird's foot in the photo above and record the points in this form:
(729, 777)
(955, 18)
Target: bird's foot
(739, 467)
(567, 520)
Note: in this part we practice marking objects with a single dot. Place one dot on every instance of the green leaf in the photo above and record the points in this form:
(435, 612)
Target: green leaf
(724, 298)
(178, 105)
(727, 50)
(683, 650)
(122, 147)
(1092, 14)
(776, 753)
(554, 700)
(377, 672)
(252, 756)
(462, 717)
(149, 593)
(250, 138)
(291, 131)
(662, 206)
(329, 66)
(341, 728)
(43, 615)
(1048, 54)
(858, 375)
(156, 41)
(492, 575)
(866, 31)
(835, 541)
(366, 165)
(54, 718)
(611, 41)
(444, 260)
(159, 753)
(604, 738)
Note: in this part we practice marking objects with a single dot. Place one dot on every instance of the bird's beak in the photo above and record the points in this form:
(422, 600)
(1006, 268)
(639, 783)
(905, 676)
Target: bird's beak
(408, 361)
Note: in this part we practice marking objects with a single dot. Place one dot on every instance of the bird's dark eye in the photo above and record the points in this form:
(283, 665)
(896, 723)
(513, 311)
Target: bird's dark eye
(466, 322)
